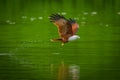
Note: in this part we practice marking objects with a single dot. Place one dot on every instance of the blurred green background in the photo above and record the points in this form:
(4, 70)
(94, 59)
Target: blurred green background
(26, 52)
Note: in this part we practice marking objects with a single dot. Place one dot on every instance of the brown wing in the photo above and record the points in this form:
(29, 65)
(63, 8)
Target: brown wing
(64, 26)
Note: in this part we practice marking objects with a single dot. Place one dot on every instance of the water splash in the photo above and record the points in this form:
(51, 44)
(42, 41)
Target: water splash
(24, 17)
(118, 13)
(93, 13)
(8, 21)
(12, 23)
(106, 25)
(63, 13)
(85, 13)
(56, 53)
(83, 18)
(32, 18)
(5, 54)
(40, 18)
(83, 23)
(76, 18)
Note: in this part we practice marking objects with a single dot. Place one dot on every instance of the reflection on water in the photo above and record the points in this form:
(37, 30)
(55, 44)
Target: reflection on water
(74, 72)
(25, 33)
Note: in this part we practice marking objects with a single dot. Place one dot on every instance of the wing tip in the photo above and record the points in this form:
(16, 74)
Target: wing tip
(55, 17)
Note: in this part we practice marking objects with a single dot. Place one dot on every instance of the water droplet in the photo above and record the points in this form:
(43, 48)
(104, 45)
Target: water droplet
(83, 18)
(7, 21)
(63, 13)
(101, 24)
(93, 13)
(83, 23)
(32, 18)
(106, 25)
(40, 18)
(118, 13)
(12, 23)
(76, 18)
(56, 53)
(85, 13)
(24, 17)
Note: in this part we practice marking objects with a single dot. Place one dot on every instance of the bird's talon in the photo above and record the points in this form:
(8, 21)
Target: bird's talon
(51, 40)
(62, 44)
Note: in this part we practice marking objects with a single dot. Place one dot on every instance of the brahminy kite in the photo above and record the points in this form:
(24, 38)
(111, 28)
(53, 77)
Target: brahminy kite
(67, 28)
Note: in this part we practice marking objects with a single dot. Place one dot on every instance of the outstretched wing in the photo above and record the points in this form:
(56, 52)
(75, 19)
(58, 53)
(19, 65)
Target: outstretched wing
(75, 26)
(63, 25)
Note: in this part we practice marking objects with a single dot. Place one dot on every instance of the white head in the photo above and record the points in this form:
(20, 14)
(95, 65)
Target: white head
(73, 38)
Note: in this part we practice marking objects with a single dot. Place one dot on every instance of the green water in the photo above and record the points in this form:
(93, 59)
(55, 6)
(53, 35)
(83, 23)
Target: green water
(26, 52)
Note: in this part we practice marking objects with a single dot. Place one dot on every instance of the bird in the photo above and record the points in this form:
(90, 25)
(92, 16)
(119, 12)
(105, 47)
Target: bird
(67, 28)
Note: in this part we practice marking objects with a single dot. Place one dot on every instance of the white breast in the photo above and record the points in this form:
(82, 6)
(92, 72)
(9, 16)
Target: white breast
(73, 38)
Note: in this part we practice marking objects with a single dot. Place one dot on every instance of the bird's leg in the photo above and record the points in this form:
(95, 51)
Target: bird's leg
(56, 40)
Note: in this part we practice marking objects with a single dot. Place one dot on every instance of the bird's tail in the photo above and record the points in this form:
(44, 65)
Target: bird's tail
(56, 40)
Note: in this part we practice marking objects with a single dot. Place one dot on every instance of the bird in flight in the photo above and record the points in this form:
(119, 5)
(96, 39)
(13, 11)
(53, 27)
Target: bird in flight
(67, 28)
